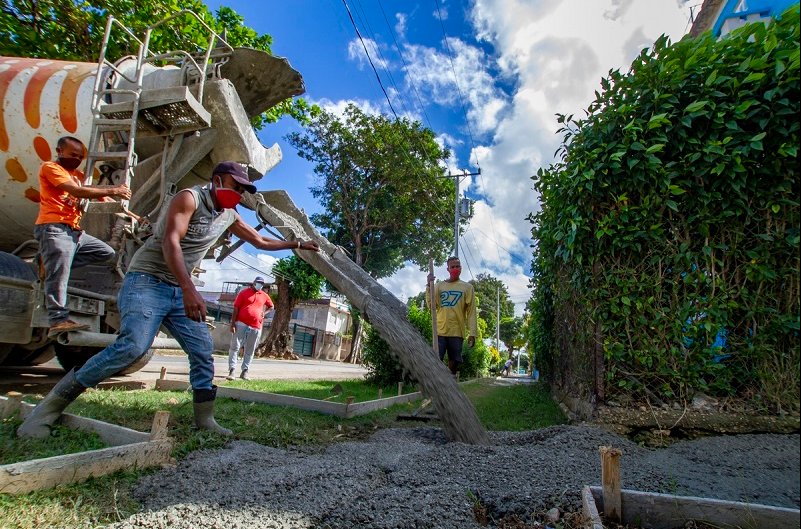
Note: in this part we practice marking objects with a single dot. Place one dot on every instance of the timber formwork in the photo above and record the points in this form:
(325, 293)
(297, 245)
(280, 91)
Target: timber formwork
(128, 449)
(338, 409)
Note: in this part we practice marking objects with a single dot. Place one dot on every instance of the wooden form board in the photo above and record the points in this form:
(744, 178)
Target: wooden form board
(321, 406)
(665, 511)
(111, 434)
(130, 449)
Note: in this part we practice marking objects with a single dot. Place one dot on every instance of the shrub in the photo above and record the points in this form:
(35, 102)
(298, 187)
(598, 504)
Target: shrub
(667, 245)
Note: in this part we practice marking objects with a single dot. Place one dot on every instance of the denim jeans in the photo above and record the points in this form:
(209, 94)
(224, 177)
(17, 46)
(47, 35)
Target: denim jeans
(146, 303)
(63, 248)
(246, 336)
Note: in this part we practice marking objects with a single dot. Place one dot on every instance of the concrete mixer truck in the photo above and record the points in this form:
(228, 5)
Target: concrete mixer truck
(158, 121)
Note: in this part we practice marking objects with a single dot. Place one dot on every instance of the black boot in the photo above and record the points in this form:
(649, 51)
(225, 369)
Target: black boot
(204, 411)
(39, 422)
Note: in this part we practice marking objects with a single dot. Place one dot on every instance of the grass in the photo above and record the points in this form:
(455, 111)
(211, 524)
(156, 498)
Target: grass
(331, 391)
(513, 408)
(62, 441)
(109, 499)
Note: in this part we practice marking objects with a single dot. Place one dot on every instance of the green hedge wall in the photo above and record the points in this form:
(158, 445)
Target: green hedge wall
(667, 245)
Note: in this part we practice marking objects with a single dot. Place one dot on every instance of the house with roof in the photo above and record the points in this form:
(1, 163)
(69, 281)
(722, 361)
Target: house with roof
(319, 329)
(723, 16)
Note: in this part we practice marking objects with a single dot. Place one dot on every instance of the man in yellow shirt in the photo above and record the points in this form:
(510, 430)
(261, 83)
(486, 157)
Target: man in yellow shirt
(62, 243)
(456, 311)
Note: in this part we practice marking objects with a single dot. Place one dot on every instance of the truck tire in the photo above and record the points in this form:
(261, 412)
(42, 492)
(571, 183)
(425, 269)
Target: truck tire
(13, 266)
(12, 302)
(71, 357)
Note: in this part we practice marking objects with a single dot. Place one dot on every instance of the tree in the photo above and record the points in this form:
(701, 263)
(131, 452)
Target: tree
(296, 280)
(381, 186)
(511, 331)
(73, 30)
(486, 287)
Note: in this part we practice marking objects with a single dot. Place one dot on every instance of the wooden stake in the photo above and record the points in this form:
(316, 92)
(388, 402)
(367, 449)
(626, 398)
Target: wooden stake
(163, 373)
(380, 392)
(159, 428)
(610, 481)
(400, 388)
(433, 304)
(12, 405)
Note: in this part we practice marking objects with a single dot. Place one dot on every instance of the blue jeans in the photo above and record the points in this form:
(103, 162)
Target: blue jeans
(63, 248)
(146, 303)
(247, 337)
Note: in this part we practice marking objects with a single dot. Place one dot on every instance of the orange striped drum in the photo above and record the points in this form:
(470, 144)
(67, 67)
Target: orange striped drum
(41, 100)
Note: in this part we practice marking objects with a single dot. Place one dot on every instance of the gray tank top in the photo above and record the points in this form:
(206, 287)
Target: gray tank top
(205, 227)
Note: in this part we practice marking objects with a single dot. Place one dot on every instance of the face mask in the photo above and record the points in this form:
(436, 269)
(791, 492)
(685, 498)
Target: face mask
(70, 164)
(454, 273)
(226, 198)
(257, 286)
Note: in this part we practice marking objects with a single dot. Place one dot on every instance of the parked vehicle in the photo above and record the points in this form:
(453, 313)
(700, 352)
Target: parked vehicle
(158, 122)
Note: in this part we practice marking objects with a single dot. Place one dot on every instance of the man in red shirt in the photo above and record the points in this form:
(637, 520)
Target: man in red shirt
(250, 306)
(62, 243)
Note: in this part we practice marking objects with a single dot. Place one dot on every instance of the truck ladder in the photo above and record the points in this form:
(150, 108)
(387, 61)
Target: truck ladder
(138, 111)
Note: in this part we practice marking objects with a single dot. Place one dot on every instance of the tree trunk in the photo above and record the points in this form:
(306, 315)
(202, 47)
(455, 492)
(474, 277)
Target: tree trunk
(278, 338)
(355, 353)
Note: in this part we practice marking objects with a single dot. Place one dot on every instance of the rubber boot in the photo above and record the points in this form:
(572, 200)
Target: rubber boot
(204, 411)
(39, 422)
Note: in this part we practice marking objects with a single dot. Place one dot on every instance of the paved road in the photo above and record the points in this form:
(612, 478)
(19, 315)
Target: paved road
(40, 378)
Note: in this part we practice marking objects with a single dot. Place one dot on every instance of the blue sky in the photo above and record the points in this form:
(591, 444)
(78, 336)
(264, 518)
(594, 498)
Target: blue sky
(488, 76)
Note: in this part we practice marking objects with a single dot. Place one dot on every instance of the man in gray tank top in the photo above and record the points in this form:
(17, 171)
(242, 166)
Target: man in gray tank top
(158, 290)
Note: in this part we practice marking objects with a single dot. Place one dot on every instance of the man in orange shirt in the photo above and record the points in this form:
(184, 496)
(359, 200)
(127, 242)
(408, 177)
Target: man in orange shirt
(62, 244)
(250, 306)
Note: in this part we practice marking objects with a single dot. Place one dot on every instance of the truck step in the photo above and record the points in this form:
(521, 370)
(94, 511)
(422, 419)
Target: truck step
(107, 124)
(108, 155)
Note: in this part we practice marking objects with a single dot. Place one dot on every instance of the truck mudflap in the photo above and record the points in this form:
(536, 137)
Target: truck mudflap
(383, 310)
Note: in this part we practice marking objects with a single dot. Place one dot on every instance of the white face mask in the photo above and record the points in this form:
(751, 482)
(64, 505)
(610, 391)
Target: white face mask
(257, 286)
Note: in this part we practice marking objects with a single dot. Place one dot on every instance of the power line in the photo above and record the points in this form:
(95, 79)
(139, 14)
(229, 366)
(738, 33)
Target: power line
(456, 83)
(406, 67)
(464, 111)
(386, 95)
(370, 60)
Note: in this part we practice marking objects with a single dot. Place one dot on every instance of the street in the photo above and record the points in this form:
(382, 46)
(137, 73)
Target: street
(37, 379)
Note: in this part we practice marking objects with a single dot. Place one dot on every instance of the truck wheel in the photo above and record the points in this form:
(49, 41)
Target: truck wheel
(75, 357)
(13, 305)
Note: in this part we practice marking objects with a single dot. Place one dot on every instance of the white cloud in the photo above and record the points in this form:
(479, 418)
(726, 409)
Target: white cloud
(445, 77)
(400, 26)
(240, 266)
(553, 54)
(338, 107)
(406, 283)
(533, 60)
(356, 53)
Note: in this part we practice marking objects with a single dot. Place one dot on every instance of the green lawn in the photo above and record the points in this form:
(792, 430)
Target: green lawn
(105, 500)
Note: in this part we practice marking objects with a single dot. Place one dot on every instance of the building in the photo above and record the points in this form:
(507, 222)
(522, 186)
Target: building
(723, 16)
(319, 329)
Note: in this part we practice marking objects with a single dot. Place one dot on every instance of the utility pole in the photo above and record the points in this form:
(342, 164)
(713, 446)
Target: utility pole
(458, 178)
(498, 321)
